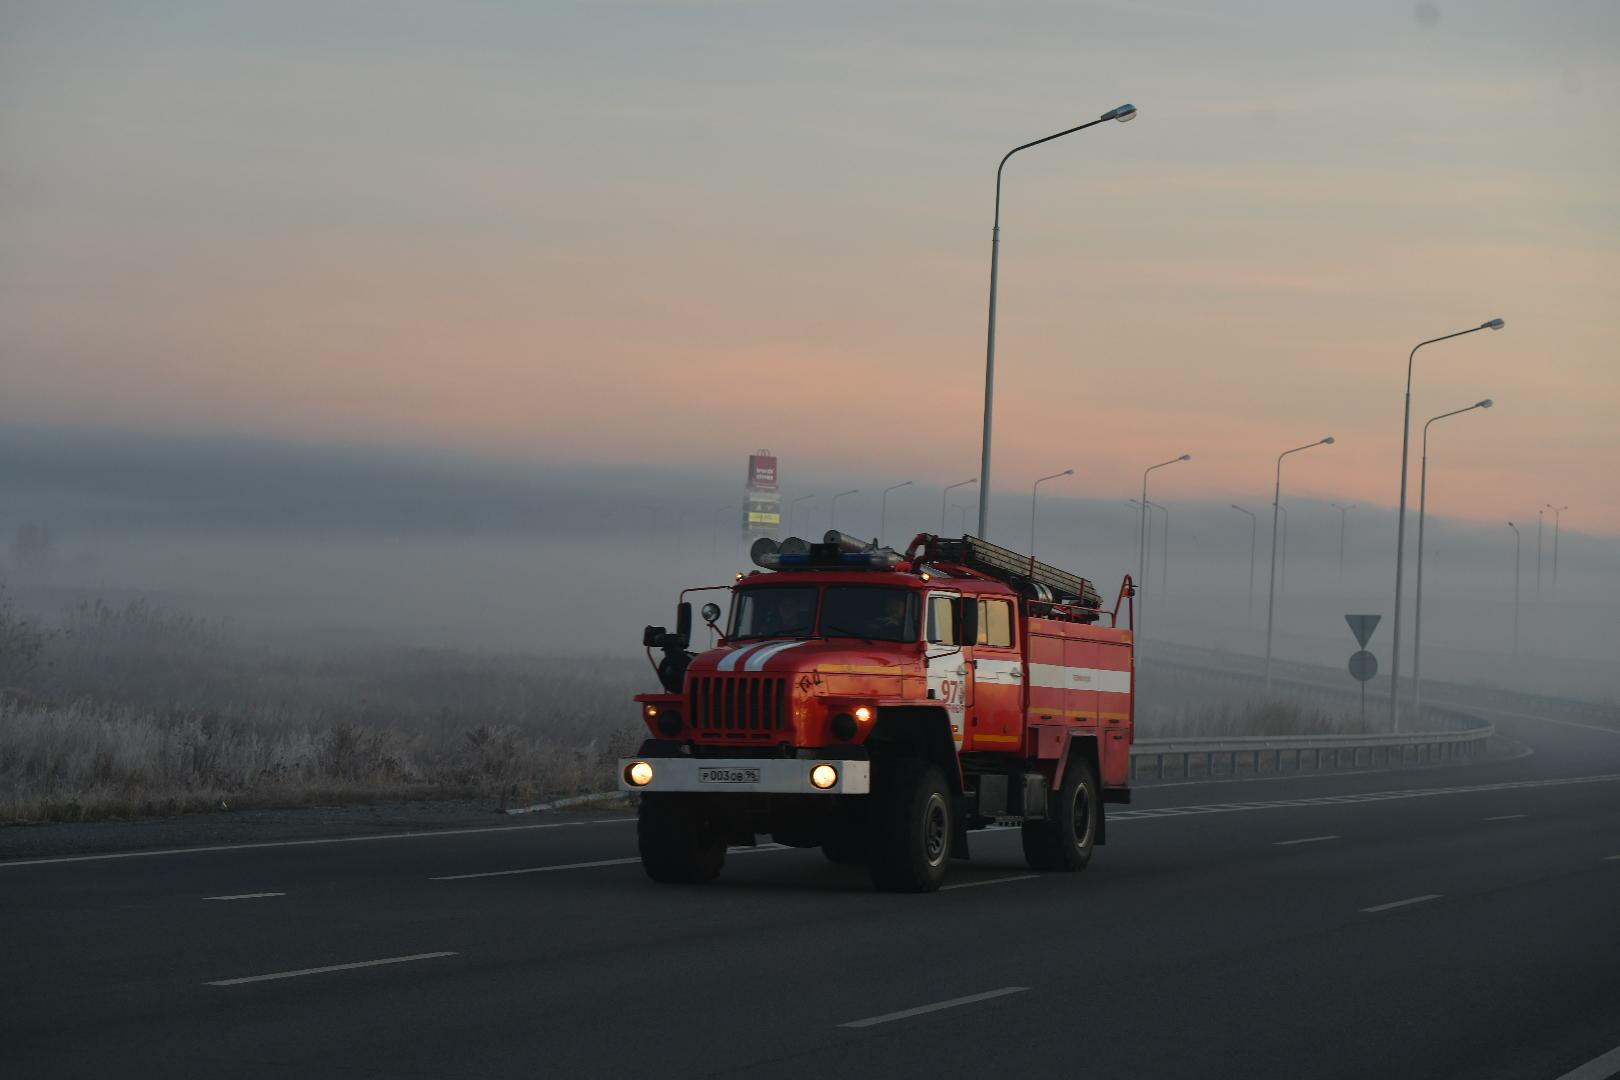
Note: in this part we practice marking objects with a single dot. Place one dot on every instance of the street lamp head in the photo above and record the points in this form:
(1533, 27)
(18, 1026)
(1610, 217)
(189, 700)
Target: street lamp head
(1123, 114)
(1066, 472)
(1487, 403)
(1494, 324)
(1328, 441)
(1186, 457)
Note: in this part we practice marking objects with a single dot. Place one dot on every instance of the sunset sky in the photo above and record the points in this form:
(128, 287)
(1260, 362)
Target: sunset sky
(621, 232)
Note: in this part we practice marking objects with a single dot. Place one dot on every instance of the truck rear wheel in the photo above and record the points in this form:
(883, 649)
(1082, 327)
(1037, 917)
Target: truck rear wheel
(1064, 840)
(677, 845)
(909, 835)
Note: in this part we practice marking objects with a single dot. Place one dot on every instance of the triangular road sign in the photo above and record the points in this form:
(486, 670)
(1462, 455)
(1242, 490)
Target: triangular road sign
(1362, 626)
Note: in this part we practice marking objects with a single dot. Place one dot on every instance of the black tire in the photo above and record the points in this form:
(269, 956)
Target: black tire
(1063, 842)
(677, 845)
(909, 835)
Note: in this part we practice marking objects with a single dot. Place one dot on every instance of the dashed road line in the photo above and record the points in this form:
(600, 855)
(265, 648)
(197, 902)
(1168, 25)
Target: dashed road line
(329, 967)
(759, 848)
(246, 896)
(1602, 1067)
(9, 863)
(1505, 817)
(1393, 904)
(988, 881)
(1304, 840)
(920, 1010)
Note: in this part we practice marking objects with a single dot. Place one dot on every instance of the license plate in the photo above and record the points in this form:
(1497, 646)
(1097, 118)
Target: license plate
(728, 776)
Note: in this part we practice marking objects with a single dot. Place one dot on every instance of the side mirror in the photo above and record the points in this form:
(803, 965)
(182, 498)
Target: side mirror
(683, 622)
(711, 613)
(967, 621)
(652, 637)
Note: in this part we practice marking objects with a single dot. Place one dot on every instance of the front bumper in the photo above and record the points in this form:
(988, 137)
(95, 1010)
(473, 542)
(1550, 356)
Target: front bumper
(773, 776)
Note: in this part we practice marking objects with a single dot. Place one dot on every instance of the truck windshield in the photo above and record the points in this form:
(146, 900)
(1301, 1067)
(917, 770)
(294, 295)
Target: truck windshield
(781, 612)
(871, 612)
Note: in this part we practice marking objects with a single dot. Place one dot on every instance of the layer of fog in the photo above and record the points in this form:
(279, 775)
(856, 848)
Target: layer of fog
(329, 545)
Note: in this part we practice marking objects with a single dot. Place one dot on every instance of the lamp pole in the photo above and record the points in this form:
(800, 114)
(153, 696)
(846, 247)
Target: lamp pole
(1254, 537)
(1143, 545)
(832, 518)
(1558, 519)
(1271, 590)
(1122, 114)
(1517, 545)
(1343, 510)
(1033, 489)
(946, 494)
(1164, 550)
(792, 506)
(883, 508)
(1282, 576)
(1400, 527)
(1423, 502)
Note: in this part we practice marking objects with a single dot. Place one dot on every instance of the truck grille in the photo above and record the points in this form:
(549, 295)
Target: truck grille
(739, 707)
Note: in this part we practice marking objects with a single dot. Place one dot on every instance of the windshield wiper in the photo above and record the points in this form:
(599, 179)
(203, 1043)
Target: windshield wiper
(846, 632)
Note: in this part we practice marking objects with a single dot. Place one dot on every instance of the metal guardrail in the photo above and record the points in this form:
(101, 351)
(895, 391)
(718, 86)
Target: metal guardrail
(1468, 738)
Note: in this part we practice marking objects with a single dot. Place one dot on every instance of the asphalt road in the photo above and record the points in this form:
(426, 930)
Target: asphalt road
(1451, 921)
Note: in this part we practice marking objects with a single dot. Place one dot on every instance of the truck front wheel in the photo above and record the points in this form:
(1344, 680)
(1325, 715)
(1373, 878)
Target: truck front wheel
(1064, 840)
(909, 835)
(677, 844)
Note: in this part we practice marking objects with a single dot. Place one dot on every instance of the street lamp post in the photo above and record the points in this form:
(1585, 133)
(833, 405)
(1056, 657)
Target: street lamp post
(1254, 537)
(1540, 514)
(1271, 590)
(1122, 114)
(946, 494)
(1423, 502)
(793, 506)
(1558, 519)
(1033, 489)
(832, 517)
(1400, 528)
(1517, 545)
(1282, 575)
(883, 508)
(1343, 511)
(1164, 550)
(1143, 545)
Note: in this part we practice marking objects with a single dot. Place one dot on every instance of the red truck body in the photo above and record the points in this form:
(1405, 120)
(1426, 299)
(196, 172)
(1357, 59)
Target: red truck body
(957, 663)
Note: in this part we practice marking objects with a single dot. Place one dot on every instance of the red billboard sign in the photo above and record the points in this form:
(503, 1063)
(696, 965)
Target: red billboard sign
(762, 471)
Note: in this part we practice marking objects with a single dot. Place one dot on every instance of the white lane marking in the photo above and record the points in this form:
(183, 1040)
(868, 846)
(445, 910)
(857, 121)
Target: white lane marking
(537, 869)
(1611, 858)
(1533, 716)
(246, 896)
(1505, 817)
(758, 661)
(1371, 796)
(906, 1014)
(327, 968)
(311, 843)
(1425, 898)
(592, 865)
(990, 881)
(1601, 1067)
(1303, 840)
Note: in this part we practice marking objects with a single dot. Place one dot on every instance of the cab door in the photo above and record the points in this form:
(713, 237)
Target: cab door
(995, 721)
(947, 661)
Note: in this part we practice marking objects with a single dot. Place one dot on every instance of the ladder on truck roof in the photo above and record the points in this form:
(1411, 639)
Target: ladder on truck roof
(1030, 577)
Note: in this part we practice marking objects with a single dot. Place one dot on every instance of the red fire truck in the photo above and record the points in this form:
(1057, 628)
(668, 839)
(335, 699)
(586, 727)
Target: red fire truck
(881, 705)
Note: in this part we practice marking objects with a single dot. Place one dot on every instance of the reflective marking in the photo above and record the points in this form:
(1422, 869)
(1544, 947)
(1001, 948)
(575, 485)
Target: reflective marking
(1303, 840)
(906, 1014)
(327, 968)
(590, 865)
(761, 657)
(246, 896)
(1425, 898)
(1059, 677)
(1611, 858)
(729, 661)
(990, 881)
(1505, 817)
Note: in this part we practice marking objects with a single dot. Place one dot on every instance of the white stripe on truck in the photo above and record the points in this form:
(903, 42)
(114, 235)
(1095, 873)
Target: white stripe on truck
(1058, 677)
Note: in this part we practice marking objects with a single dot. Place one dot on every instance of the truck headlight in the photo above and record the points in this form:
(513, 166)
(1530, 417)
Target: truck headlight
(638, 774)
(824, 775)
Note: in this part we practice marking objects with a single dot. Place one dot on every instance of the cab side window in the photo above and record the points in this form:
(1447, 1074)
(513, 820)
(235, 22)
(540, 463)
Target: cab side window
(995, 623)
(941, 621)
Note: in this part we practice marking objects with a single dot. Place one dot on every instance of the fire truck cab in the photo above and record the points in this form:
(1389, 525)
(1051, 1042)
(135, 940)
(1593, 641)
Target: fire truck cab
(882, 705)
